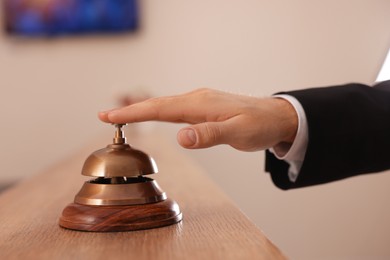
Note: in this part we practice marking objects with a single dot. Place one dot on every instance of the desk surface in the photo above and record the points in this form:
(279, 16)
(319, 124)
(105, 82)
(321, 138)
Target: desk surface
(212, 227)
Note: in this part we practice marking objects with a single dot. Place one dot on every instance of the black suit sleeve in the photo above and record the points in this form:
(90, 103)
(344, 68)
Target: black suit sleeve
(349, 134)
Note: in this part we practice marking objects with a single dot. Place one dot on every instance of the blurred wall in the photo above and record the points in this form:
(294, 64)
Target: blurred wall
(52, 89)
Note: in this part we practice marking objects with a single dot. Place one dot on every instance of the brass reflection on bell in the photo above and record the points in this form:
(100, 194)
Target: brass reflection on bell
(132, 191)
(120, 198)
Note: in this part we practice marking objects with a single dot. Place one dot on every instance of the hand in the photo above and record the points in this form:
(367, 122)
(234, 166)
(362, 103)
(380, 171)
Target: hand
(243, 122)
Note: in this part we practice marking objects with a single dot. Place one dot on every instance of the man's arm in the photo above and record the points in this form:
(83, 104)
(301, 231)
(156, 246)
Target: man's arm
(349, 134)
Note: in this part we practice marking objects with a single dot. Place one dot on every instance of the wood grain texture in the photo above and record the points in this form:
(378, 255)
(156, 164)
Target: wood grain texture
(212, 226)
(120, 218)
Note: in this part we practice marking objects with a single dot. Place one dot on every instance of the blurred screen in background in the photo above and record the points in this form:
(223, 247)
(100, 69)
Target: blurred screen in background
(59, 17)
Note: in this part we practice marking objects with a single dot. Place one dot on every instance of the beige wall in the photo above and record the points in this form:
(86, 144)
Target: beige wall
(52, 89)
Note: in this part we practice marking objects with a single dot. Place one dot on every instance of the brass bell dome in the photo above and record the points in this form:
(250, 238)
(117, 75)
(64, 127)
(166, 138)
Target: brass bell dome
(119, 160)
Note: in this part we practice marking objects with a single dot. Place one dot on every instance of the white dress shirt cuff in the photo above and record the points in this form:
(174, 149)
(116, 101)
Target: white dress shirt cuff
(294, 154)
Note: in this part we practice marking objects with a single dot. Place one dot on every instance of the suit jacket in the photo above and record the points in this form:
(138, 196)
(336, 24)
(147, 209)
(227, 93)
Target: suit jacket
(349, 134)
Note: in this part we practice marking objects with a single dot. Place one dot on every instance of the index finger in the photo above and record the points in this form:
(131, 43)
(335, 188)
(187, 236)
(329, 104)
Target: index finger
(184, 108)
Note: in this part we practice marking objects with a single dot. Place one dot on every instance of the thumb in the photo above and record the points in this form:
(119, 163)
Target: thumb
(201, 135)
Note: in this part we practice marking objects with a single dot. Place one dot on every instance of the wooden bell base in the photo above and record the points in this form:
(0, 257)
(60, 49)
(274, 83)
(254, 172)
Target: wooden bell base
(120, 218)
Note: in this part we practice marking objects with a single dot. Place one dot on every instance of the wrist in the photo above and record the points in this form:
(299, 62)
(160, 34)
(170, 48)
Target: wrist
(288, 123)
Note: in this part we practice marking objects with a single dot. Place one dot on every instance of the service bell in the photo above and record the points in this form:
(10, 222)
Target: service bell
(120, 197)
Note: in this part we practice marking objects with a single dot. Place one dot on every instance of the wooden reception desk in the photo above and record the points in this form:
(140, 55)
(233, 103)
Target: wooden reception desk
(212, 227)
